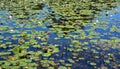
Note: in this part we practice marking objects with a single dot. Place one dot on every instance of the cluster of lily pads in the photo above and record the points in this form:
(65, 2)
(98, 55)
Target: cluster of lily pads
(51, 34)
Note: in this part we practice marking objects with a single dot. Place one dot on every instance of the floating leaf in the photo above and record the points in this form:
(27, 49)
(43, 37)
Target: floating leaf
(62, 67)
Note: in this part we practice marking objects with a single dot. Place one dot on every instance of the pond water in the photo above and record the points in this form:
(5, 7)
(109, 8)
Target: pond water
(96, 46)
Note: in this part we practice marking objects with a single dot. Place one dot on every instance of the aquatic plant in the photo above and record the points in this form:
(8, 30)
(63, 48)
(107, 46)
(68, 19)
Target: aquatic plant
(58, 38)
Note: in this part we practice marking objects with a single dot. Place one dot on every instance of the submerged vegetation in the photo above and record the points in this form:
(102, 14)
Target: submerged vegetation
(63, 34)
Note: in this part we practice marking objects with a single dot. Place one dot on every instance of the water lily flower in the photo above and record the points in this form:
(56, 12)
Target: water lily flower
(10, 17)
(11, 30)
(94, 23)
(39, 22)
(107, 12)
(39, 37)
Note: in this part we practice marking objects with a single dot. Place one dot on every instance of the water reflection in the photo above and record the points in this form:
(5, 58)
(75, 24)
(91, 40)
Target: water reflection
(95, 46)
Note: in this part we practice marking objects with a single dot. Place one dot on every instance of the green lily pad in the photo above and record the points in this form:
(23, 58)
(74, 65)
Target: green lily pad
(62, 67)
(107, 61)
(93, 63)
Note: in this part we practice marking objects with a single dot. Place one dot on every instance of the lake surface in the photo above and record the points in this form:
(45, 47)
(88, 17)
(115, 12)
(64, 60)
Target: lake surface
(96, 46)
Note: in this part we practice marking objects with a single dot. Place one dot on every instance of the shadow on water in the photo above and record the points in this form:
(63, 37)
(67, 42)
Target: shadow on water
(98, 46)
